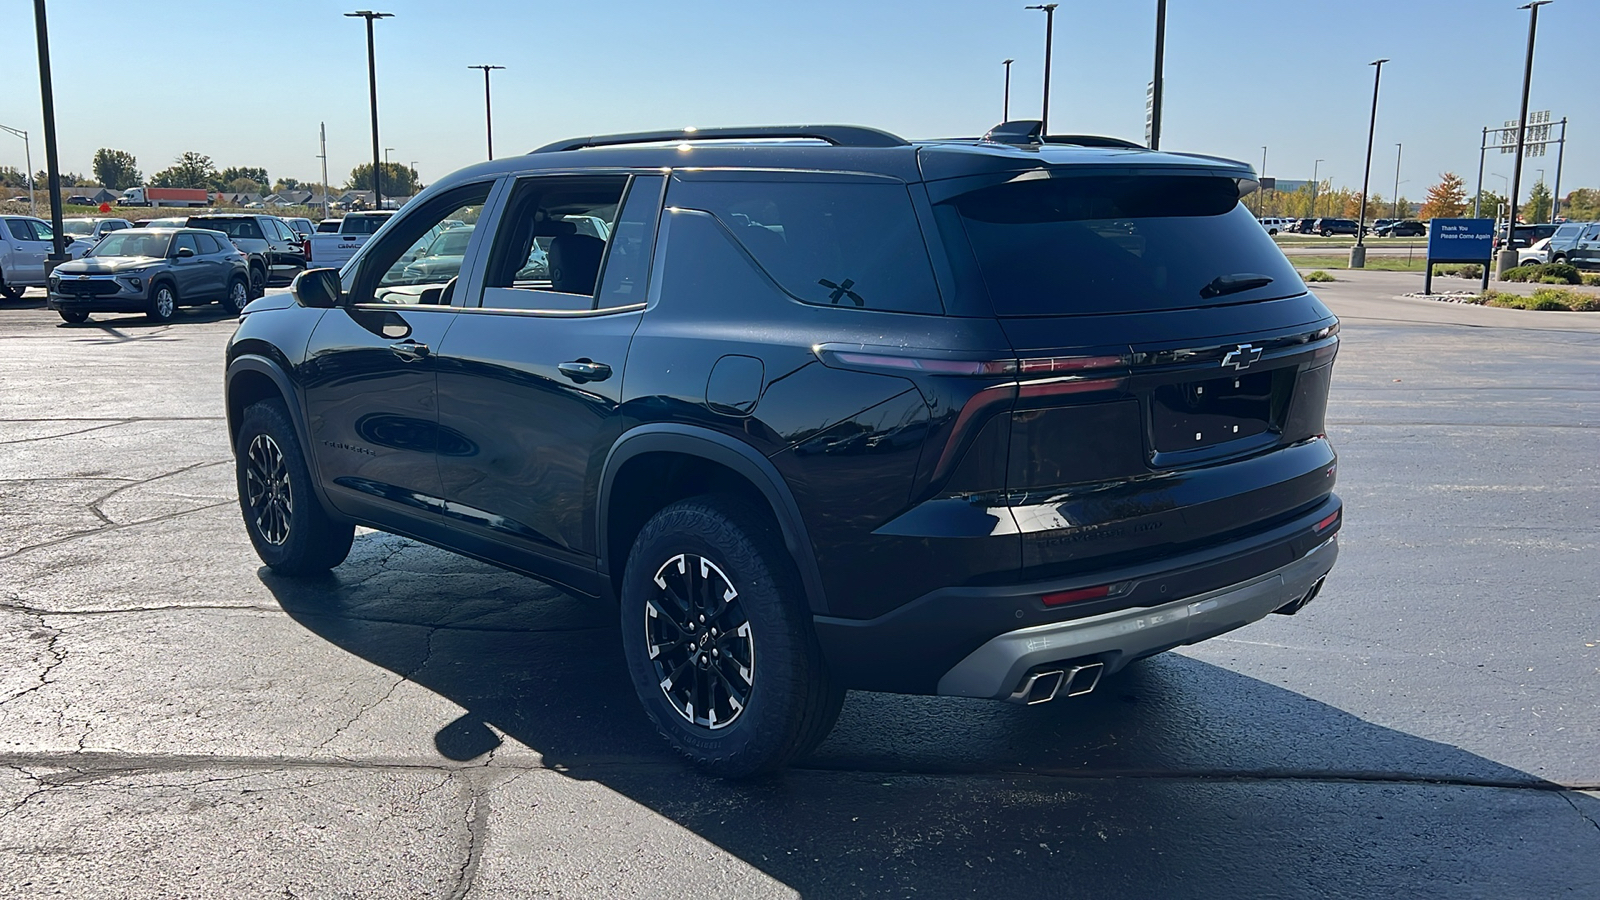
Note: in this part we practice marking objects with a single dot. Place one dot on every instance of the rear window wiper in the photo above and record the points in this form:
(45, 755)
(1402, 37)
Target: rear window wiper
(1233, 284)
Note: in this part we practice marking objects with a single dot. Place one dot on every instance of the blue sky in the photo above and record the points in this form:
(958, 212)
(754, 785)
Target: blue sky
(248, 83)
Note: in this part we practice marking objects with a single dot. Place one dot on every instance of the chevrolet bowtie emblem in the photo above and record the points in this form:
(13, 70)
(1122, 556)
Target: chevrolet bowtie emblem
(1241, 357)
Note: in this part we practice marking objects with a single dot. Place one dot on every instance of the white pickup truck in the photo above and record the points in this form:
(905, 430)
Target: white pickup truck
(331, 250)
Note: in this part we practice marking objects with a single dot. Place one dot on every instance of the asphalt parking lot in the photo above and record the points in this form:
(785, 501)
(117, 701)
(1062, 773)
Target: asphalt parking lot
(176, 721)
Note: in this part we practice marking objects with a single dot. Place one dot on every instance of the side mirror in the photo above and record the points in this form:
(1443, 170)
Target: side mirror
(185, 252)
(316, 288)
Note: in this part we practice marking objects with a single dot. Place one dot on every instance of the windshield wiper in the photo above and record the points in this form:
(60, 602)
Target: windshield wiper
(1233, 284)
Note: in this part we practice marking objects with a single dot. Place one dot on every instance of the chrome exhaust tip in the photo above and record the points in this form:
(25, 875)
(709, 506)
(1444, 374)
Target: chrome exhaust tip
(1038, 687)
(1083, 679)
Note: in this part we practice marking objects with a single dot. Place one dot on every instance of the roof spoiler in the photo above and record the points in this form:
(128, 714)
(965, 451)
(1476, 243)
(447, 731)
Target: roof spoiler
(837, 135)
(1028, 133)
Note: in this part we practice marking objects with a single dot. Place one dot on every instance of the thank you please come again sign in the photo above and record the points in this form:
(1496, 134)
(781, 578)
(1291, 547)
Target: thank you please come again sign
(1460, 240)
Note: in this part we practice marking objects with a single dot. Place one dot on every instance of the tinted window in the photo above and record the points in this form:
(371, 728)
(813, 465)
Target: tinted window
(239, 229)
(186, 241)
(363, 224)
(1071, 246)
(850, 244)
(392, 272)
(633, 237)
(208, 244)
(21, 229)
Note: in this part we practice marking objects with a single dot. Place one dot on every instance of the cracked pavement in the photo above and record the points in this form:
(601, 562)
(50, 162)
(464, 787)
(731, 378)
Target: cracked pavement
(176, 721)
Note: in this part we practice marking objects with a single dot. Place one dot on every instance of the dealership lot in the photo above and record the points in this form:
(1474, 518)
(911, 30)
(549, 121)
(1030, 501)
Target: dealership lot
(175, 720)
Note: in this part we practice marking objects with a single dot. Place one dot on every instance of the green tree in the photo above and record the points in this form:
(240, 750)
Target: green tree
(397, 180)
(1446, 200)
(11, 176)
(287, 184)
(191, 170)
(242, 186)
(1582, 205)
(233, 173)
(116, 169)
(1488, 204)
(1538, 206)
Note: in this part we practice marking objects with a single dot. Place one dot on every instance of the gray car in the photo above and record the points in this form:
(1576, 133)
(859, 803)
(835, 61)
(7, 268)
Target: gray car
(153, 271)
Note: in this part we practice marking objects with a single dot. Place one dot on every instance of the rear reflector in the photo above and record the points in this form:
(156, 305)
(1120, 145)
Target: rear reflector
(1327, 523)
(1076, 386)
(1060, 598)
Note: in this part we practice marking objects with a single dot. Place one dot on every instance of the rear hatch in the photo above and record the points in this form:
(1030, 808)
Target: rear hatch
(1172, 368)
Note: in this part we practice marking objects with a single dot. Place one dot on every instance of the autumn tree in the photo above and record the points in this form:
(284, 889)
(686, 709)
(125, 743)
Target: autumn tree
(1582, 205)
(1446, 200)
(116, 169)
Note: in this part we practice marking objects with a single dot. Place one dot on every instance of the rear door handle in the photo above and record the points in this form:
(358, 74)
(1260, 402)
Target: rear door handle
(410, 350)
(583, 370)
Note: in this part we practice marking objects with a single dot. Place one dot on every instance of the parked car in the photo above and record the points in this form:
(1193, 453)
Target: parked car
(1402, 228)
(1274, 225)
(1537, 254)
(1566, 236)
(276, 254)
(1378, 224)
(857, 413)
(153, 271)
(1302, 226)
(79, 200)
(173, 222)
(1329, 227)
(91, 228)
(336, 248)
(25, 243)
(300, 226)
(1584, 250)
(1524, 235)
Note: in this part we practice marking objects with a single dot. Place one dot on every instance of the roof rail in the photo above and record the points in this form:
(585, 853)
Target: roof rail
(1026, 133)
(1092, 140)
(837, 135)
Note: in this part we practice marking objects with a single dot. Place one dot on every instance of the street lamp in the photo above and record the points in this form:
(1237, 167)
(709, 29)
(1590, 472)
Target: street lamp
(1314, 183)
(1395, 212)
(1006, 115)
(488, 109)
(386, 152)
(1155, 81)
(27, 149)
(1508, 253)
(1358, 253)
(1049, 32)
(1261, 201)
(372, 86)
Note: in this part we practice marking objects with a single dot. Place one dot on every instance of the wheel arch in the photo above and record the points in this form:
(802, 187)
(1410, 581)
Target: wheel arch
(251, 378)
(696, 459)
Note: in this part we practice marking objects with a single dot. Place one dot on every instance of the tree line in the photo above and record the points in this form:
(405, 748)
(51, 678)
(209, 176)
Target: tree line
(119, 170)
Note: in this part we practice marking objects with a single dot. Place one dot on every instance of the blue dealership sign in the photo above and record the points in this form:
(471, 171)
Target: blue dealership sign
(1460, 240)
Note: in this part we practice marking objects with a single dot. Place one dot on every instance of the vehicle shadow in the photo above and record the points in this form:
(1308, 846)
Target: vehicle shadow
(1175, 778)
(185, 315)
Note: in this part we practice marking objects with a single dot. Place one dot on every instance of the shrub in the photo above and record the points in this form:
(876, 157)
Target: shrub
(1320, 276)
(1591, 279)
(1520, 273)
(1461, 271)
(1542, 299)
(1563, 273)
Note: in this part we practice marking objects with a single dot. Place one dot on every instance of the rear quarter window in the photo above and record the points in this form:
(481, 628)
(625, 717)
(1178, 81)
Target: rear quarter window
(852, 244)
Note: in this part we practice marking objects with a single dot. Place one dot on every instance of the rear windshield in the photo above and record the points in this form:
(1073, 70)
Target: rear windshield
(234, 228)
(1083, 246)
(363, 224)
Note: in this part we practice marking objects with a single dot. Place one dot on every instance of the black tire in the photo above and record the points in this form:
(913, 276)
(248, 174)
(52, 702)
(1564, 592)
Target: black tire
(237, 296)
(766, 644)
(74, 316)
(163, 302)
(1326, 233)
(290, 530)
(10, 292)
(1558, 259)
(258, 282)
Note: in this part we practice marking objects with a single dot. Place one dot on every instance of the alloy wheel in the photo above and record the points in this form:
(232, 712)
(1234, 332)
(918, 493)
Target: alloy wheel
(268, 490)
(166, 304)
(238, 295)
(700, 641)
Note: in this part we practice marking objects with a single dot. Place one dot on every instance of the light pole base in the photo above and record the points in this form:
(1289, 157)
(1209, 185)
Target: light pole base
(1505, 259)
(1358, 257)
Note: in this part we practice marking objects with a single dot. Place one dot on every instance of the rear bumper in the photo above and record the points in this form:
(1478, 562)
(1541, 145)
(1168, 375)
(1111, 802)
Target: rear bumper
(913, 648)
(995, 669)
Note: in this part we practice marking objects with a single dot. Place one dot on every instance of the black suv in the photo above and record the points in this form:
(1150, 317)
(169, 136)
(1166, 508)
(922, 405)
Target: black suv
(819, 408)
(1402, 228)
(1329, 227)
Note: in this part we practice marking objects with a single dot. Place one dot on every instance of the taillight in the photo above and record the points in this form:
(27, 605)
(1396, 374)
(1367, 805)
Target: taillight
(305, 247)
(1327, 523)
(1061, 598)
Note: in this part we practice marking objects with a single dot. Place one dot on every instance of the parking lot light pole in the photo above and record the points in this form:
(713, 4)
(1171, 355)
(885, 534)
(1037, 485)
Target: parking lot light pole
(1005, 115)
(1358, 253)
(1261, 202)
(372, 86)
(1395, 210)
(1155, 81)
(1314, 183)
(1508, 253)
(488, 108)
(58, 244)
(1049, 33)
(27, 150)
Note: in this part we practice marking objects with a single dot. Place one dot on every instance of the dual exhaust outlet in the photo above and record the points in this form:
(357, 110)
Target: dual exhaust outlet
(1046, 684)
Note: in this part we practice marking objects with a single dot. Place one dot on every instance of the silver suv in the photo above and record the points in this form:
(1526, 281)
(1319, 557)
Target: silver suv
(153, 271)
